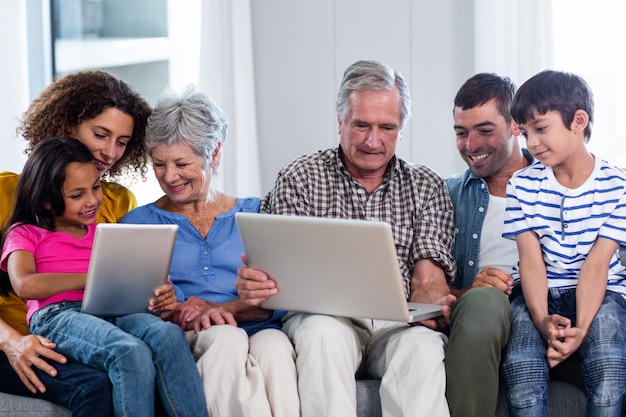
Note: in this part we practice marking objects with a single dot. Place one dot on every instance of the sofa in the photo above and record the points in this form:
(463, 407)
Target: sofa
(566, 400)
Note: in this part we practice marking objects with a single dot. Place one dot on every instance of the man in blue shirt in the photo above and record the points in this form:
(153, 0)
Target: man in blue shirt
(486, 137)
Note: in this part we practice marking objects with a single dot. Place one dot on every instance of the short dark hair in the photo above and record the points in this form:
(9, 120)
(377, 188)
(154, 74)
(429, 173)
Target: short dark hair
(559, 91)
(483, 87)
(41, 181)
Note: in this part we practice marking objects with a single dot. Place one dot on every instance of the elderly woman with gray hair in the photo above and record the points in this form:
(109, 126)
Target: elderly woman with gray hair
(245, 360)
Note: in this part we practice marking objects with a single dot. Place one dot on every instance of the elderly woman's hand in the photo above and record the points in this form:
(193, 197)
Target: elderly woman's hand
(197, 314)
(164, 302)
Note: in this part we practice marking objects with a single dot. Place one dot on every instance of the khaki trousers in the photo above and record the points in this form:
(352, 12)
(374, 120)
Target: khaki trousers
(330, 351)
(246, 376)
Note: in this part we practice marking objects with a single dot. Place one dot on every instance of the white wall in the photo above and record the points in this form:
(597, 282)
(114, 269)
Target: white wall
(14, 91)
(302, 48)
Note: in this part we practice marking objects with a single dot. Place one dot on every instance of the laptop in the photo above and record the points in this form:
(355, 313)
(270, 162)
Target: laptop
(128, 262)
(330, 266)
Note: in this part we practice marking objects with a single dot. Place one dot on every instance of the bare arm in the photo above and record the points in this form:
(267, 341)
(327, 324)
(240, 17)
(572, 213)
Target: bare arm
(590, 293)
(429, 285)
(488, 277)
(28, 284)
(534, 279)
(24, 352)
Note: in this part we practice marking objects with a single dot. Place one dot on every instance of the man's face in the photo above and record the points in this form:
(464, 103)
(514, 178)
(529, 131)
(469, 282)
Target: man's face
(370, 132)
(484, 139)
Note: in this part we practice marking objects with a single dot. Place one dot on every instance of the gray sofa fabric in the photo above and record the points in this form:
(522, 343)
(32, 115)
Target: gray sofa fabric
(13, 406)
(566, 400)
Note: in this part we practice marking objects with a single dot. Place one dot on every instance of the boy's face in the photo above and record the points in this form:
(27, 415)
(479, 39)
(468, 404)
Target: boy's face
(549, 140)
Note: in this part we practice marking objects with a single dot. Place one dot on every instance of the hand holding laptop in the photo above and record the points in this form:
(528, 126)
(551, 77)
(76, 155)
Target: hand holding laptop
(253, 286)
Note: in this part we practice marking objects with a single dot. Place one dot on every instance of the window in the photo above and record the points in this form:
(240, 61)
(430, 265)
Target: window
(588, 38)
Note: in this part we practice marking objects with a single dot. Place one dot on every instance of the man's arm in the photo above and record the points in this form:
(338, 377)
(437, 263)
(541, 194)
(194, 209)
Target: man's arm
(489, 277)
(429, 285)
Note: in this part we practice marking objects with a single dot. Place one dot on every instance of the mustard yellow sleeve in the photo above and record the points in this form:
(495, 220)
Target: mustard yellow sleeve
(13, 312)
(8, 185)
(117, 201)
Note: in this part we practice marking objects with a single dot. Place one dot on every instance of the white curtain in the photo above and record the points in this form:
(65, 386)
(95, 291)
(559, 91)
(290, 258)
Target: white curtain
(513, 37)
(227, 75)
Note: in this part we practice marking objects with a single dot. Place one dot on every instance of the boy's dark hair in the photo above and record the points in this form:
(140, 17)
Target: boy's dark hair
(559, 91)
(484, 87)
(39, 197)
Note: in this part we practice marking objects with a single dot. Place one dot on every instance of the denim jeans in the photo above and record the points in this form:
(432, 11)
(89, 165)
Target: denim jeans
(136, 350)
(603, 352)
(83, 390)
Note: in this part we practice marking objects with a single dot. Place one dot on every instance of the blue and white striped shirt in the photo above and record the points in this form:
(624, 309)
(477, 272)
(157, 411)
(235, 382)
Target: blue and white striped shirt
(568, 221)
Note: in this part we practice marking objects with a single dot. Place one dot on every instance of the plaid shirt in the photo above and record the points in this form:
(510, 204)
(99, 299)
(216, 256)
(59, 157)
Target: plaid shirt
(412, 199)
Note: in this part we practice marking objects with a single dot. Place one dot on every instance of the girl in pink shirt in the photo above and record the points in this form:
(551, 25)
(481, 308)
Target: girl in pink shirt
(46, 253)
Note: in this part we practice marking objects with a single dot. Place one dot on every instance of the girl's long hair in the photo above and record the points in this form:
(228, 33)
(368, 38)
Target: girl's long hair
(39, 194)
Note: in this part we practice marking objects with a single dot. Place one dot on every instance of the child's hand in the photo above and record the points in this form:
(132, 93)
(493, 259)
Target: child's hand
(562, 343)
(164, 300)
(550, 323)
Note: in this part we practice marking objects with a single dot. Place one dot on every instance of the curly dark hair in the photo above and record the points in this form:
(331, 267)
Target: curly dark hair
(80, 96)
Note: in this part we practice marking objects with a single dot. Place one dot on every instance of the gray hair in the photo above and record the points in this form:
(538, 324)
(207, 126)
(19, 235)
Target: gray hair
(191, 118)
(372, 76)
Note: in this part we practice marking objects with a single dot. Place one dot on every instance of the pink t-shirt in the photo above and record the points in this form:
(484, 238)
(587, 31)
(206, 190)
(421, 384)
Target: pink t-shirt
(54, 252)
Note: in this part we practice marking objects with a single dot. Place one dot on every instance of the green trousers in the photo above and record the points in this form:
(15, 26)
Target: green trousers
(479, 330)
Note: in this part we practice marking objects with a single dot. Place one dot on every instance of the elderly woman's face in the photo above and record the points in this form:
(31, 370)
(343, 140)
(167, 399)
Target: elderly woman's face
(181, 173)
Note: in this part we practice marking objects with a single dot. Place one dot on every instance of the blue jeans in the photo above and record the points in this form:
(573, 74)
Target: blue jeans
(603, 352)
(85, 391)
(136, 350)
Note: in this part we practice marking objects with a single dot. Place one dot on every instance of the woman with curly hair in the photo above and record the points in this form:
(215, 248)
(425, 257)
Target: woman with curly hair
(109, 117)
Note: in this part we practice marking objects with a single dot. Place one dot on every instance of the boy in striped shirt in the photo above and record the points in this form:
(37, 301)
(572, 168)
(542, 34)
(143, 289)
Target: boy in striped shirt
(567, 213)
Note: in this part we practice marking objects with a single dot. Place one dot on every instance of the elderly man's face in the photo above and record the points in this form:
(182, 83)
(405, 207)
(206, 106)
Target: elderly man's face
(370, 132)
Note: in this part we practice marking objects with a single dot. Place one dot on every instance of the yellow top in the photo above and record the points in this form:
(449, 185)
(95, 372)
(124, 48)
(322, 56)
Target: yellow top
(116, 202)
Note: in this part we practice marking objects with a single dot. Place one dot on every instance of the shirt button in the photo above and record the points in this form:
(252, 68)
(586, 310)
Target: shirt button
(481, 209)
(206, 268)
(474, 236)
(205, 253)
(471, 263)
(482, 185)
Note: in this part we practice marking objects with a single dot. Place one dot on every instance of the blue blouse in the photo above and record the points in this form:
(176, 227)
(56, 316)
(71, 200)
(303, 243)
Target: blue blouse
(206, 268)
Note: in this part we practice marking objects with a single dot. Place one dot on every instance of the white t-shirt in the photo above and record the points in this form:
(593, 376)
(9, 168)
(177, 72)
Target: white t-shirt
(496, 251)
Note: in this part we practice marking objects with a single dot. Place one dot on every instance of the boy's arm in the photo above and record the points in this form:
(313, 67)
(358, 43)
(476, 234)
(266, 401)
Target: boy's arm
(592, 282)
(30, 285)
(590, 292)
(534, 279)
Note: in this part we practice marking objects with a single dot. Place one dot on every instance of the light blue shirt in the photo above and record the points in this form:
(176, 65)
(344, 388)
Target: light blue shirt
(206, 267)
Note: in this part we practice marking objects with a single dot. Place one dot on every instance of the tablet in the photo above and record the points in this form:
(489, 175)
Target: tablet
(128, 262)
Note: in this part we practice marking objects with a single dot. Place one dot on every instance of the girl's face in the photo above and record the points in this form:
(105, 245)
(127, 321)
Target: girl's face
(106, 136)
(82, 196)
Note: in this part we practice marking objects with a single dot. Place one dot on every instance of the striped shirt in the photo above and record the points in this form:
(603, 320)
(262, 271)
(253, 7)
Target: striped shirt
(412, 199)
(568, 221)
